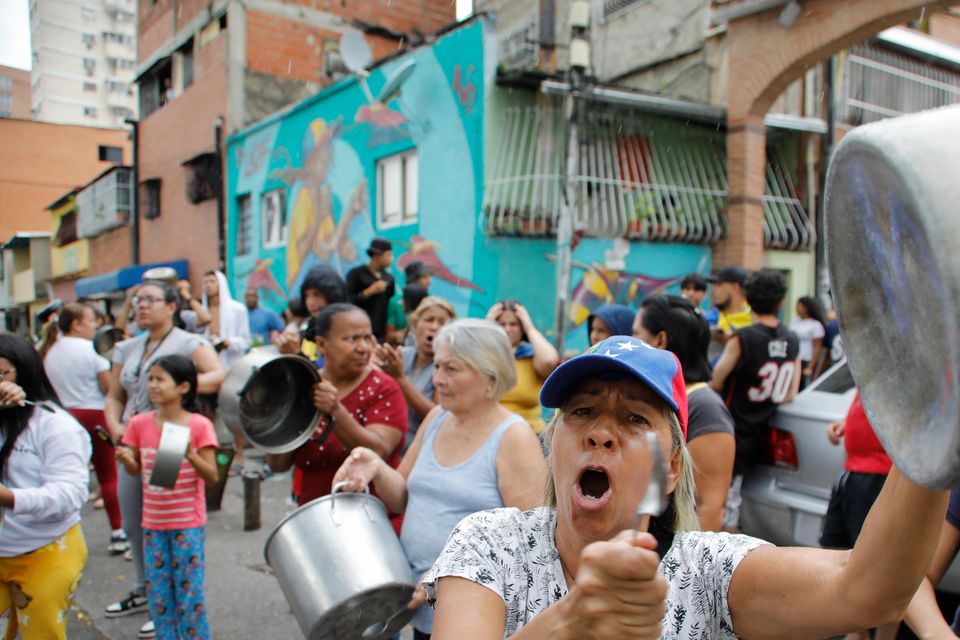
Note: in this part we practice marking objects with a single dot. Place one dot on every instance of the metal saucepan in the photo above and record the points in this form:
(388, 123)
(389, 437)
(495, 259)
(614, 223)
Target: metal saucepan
(342, 569)
(174, 442)
(162, 274)
(266, 397)
(892, 223)
(105, 339)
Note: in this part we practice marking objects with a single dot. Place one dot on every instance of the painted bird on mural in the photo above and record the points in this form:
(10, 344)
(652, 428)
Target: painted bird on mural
(599, 286)
(426, 252)
(389, 125)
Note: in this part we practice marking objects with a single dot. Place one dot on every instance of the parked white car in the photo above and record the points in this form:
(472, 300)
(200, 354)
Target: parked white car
(785, 498)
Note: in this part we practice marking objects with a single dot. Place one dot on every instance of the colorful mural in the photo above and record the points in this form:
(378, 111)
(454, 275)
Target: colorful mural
(324, 154)
(306, 185)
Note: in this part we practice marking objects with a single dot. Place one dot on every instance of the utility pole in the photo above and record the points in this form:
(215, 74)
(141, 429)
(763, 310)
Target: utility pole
(574, 110)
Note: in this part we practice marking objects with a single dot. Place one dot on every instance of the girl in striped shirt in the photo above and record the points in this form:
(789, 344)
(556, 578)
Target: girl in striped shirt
(173, 519)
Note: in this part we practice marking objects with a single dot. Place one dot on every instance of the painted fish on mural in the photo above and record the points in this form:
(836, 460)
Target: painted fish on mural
(599, 286)
(426, 252)
(315, 235)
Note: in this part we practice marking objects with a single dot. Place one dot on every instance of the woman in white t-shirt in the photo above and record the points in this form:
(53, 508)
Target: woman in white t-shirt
(808, 325)
(43, 484)
(81, 377)
(588, 565)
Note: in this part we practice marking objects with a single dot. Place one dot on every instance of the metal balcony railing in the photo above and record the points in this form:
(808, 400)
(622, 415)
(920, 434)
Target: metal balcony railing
(878, 84)
(639, 177)
(518, 48)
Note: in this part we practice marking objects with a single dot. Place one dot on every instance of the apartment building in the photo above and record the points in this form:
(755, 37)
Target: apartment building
(84, 55)
(14, 93)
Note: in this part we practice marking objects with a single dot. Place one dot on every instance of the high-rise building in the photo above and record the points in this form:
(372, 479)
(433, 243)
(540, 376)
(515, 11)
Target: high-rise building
(14, 93)
(84, 55)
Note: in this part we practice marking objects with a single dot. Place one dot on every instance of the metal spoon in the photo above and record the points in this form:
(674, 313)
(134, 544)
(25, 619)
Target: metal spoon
(655, 500)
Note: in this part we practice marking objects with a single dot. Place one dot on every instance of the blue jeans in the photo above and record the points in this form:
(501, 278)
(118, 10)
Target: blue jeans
(175, 571)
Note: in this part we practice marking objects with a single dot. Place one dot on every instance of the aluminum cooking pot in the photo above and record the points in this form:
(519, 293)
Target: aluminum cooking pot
(266, 397)
(342, 569)
(892, 224)
(174, 442)
(105, 339)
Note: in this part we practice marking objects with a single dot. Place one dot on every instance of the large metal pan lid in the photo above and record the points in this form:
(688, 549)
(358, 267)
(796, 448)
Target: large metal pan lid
(174, 442)
(892, 223)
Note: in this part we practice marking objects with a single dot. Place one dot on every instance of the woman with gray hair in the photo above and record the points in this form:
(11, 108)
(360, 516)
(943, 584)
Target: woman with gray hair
(470, 455)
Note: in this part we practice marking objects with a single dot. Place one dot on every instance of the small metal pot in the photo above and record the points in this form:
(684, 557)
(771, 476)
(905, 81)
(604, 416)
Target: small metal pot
(174, 442)
(342, 569)
(104, 340)
(266, 397)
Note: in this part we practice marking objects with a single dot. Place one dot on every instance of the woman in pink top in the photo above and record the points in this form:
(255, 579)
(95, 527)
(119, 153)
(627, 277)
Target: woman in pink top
(173, 519)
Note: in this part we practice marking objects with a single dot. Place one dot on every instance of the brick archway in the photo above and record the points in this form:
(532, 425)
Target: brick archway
(763, 60)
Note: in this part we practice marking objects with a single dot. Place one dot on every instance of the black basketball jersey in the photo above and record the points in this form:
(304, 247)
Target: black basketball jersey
(762, 378)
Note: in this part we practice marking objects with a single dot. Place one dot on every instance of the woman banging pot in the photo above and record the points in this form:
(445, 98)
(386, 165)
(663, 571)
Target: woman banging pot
(470, 454)
(576, 568)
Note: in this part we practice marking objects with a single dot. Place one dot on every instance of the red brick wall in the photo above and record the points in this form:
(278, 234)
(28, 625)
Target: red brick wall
(404, 16)
(286, 48)
(946, 28)
(169, 136)
(111, 251)
(40, 162)
(154, 28)
(187, 10)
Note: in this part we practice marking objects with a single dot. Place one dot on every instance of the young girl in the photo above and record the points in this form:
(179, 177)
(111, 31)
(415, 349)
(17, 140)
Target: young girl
(173, 519)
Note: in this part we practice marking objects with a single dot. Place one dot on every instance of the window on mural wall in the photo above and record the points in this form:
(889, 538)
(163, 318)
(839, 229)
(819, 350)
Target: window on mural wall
(273, 215)
(244, 226)
(398, 180)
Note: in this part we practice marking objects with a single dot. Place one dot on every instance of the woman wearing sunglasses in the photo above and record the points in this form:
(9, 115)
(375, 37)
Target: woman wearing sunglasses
(155, 304)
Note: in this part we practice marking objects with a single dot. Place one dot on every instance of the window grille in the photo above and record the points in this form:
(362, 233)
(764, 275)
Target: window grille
(879, 84)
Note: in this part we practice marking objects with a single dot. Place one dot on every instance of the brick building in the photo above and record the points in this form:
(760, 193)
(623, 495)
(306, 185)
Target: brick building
(207, 69)
(14, 93)
(39, 163)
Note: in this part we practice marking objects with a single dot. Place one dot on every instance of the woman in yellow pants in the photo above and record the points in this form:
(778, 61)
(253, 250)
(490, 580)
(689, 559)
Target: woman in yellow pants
(44, 454)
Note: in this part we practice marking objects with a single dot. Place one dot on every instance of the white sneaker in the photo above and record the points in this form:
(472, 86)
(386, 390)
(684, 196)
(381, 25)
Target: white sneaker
(133, 603)
(147, 630)
(118, 544)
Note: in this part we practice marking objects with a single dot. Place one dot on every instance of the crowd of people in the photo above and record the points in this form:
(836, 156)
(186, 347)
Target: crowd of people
(512, 476)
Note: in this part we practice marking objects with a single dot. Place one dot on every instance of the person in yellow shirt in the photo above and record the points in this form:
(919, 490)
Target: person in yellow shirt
(534, 356)
(731, 301)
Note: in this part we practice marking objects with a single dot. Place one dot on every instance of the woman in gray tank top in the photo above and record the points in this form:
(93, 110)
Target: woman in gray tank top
(155, 304)
(471, 454)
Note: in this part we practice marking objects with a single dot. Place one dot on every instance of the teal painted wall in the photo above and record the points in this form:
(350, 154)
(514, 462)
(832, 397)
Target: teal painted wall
(315, 165)
(316, 161)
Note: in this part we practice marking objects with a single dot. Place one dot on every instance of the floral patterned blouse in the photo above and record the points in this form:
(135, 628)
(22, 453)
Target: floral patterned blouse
(513, 553)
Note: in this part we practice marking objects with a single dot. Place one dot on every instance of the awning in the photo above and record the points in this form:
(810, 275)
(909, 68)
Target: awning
(125, 278)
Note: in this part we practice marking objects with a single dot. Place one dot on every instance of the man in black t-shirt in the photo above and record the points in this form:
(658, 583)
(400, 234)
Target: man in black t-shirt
(371, 286)
(758, 370)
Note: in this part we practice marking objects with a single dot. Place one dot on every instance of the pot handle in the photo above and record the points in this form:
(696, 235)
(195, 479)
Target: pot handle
(333, 500)
(253, 374)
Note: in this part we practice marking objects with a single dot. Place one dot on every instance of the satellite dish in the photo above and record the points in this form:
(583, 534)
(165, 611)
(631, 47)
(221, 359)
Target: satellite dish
(355, 51)
(397, 78)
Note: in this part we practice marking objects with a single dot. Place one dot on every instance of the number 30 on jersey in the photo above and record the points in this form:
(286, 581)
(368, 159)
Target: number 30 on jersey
(775, 379)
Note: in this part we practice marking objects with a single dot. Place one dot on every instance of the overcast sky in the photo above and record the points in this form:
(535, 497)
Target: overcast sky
(15, 34)
(15, 30)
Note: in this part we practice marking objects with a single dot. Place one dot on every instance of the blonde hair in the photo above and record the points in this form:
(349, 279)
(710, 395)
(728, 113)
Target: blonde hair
(683, 497)
(432, 301)
(484, 347)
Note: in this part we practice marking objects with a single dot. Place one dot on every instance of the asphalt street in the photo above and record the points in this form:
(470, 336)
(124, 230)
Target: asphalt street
(243, 598)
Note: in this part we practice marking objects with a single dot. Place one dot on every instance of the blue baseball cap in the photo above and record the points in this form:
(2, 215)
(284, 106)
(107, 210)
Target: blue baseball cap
(621, 356)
